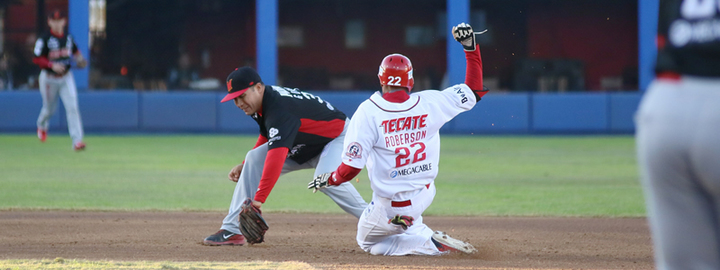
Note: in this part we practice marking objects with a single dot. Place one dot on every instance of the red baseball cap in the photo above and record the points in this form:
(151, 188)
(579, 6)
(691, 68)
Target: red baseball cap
(239, 81)
(56, 15)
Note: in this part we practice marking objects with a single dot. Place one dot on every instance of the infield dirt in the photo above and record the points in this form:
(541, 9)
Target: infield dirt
(325, 241)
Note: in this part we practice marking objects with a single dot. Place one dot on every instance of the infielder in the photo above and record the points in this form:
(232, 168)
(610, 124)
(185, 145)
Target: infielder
(52, 53)
(678, 137)
(298, 130)
(396, 135)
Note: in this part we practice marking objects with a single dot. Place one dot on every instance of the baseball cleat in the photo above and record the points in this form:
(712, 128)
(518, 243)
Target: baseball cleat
(444, 242)
(79, 146)
(223, 237)
(42, 135)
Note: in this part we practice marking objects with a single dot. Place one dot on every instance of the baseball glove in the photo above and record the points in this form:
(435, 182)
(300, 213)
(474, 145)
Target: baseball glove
(82, 63)
(252, 224)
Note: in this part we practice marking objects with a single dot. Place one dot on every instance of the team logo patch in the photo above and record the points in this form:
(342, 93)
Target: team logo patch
(354, 150)
(272, 132)
(393, 174)
(53, 43)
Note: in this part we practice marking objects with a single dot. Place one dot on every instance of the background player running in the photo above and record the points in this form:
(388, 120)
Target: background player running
(298, 130)
(53, 52)
(396, 135)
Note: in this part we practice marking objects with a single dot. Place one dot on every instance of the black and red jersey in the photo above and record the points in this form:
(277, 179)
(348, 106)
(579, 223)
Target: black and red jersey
(300, 121)
(688, 37)
(54, 49)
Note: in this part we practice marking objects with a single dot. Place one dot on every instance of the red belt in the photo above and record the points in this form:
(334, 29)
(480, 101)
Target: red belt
(404, 203)
(668, 75)
(401, 204)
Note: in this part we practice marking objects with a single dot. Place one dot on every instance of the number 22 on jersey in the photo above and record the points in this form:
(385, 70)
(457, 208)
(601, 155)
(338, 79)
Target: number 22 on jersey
(409, 155)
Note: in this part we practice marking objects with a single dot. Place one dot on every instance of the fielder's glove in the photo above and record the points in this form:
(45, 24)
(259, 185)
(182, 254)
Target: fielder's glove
(81, 63)
(252, 224)
(320, 182)
(404, 221)
(464, 34)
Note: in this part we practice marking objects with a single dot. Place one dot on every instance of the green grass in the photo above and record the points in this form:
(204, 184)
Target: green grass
(518, 176)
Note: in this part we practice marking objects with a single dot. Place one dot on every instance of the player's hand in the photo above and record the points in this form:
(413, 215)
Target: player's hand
(58, 68)
(464, 34)
(321, 181)
(257, 204)
(80, 62)
(234, 174)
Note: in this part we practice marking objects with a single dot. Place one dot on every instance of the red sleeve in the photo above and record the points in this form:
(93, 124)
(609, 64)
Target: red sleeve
(271, 172)
(42, 61)
(343, 174)
(474, 73)
(260, 141)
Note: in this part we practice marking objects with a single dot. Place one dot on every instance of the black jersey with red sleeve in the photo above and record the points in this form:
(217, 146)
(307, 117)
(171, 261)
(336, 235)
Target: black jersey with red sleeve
(300, 121)
(51, 48)
(688, 42)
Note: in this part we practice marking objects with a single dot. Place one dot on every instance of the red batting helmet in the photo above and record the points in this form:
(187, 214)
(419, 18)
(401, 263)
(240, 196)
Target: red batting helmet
(396, 70)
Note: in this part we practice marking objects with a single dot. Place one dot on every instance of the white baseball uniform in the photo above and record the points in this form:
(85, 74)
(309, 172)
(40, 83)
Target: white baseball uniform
(400, 145)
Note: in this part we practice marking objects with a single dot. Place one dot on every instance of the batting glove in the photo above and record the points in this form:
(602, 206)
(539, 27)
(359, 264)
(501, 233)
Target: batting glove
(404, 221)
(321, 181)
(464, 34)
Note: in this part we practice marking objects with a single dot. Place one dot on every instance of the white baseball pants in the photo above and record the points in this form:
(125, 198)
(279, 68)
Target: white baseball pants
(378, 237)
(50, 88)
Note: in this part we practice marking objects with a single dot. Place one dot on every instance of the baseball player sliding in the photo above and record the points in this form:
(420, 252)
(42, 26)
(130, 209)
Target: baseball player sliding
(53, 52)
(298, 130)
(678, 142)
(395, 133)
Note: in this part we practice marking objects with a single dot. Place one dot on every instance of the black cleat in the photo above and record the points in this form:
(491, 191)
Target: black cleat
(223, 237)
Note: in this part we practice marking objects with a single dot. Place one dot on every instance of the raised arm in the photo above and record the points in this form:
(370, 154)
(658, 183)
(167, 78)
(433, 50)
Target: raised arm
(464, 34)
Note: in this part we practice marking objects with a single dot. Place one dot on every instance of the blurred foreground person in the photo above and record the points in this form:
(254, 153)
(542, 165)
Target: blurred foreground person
(678, 137)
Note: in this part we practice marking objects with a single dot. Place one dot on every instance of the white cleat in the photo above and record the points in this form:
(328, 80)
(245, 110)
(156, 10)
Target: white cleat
(446, 243)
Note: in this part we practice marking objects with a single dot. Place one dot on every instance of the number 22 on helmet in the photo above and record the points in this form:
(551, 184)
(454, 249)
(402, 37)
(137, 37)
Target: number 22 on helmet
(396, 70)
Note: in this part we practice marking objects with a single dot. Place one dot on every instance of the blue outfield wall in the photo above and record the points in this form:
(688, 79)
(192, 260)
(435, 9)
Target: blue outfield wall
(512, 113)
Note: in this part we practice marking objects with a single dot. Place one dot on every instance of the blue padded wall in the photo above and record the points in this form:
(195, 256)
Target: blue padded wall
(622, 111)
(571, 113)
(194, 111)
(20, 110)
(517, 113)
(110, 110)
(496, 114)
